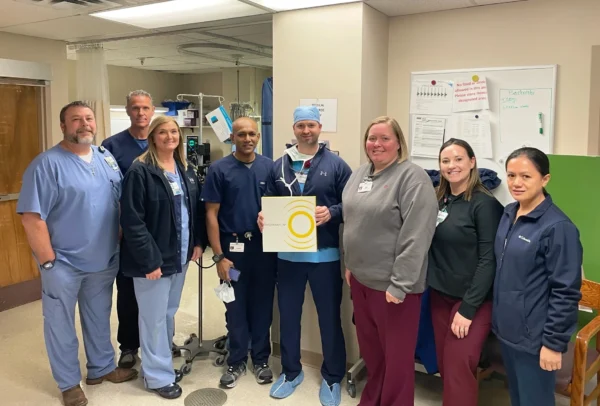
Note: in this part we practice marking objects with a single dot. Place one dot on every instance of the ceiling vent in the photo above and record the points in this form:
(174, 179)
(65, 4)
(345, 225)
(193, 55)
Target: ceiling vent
(86, 5)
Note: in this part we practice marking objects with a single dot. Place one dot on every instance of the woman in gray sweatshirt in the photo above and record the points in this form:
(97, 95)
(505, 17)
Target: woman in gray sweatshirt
(390, 212)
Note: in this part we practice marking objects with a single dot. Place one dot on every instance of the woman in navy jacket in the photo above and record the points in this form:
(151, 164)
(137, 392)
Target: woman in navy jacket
(163, 229)
(538, 281)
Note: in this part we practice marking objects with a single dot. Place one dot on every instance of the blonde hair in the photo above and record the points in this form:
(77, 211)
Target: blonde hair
(150, 156)
(403, 151)
(474, 180)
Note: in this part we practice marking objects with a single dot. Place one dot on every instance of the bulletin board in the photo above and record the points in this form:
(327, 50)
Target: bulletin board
(496, 110)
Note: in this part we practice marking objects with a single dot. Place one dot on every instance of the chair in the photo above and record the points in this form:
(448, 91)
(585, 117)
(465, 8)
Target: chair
(579, 364)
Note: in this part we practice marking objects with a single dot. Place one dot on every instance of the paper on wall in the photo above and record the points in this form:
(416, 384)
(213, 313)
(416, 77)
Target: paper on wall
(431, 97)
(470, 94)
(221, 123)
(428, 135)
(474, 128)
(327, 109)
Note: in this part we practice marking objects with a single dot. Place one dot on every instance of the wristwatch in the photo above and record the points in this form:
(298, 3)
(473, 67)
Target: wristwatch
(48, 265)
(218, 257)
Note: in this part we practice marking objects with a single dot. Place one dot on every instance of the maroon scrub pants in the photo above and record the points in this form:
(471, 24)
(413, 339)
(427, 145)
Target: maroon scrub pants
(387, 338)
(458, 358)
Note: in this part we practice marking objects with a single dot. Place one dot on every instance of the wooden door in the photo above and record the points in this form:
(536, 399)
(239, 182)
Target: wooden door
(20, 142)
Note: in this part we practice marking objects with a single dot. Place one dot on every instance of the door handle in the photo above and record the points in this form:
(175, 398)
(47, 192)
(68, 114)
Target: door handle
(8, 197)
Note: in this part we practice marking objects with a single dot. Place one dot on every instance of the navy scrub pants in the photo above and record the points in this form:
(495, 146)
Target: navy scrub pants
(250, 315)
(326, 283)
(528, 383)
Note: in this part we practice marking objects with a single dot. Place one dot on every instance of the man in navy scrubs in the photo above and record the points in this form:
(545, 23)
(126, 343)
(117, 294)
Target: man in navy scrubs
(310, 169)
(125, 147)
(232, 192)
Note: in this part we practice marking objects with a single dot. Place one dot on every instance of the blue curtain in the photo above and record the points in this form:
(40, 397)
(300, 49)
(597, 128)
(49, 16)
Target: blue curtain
(267, 118)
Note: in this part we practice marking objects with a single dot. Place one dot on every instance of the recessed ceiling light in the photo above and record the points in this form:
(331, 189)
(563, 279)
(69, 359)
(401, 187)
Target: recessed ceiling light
(284, 5)
(179, 12)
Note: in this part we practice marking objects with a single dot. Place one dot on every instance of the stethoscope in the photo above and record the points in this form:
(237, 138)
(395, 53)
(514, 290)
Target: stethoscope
(282, 178)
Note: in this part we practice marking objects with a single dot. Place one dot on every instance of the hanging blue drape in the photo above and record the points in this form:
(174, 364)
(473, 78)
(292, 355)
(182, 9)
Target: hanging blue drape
(267, 118)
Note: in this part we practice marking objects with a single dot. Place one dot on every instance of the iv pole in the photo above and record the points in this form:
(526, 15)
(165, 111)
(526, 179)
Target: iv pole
(195, 346)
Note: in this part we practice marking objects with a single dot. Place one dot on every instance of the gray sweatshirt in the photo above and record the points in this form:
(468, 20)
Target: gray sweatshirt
(388, 230)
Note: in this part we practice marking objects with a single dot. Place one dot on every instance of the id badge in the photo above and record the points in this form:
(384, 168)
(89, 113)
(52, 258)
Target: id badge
(112, 163)
(365, 186)
(442, 214)
(175, 187)
(301, 177)
(236, 247)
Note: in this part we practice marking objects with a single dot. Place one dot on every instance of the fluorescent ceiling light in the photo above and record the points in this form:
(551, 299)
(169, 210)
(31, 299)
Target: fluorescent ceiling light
(284, 5)
(179, 12)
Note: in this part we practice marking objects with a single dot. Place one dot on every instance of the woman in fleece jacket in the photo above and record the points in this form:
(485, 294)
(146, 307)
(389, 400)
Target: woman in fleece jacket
(390, 212)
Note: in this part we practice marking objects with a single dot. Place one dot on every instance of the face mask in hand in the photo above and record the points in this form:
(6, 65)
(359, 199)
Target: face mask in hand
(225, 292)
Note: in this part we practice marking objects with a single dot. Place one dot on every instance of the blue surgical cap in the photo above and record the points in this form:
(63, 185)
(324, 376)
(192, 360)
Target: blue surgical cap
(307, 113)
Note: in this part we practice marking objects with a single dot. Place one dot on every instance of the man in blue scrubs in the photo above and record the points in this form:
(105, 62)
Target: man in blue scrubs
(233, 190)
(69, 203)
(125, 147)
(310, 169)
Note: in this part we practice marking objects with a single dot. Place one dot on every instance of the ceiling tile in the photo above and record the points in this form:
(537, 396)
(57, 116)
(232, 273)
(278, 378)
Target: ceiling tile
(146, 42)
(14, 13)
(406, 7)
(262, 28)
(74, 28)
(262, 39)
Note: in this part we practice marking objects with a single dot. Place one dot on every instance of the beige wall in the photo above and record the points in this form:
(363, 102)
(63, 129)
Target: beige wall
(54, 53)
(534, 32)
(160, 85)
(374, 86)
(307, 66)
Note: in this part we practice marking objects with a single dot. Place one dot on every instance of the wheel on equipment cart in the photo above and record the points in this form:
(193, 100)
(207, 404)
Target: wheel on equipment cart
(186, 369)
(219, 361)
(351, 388)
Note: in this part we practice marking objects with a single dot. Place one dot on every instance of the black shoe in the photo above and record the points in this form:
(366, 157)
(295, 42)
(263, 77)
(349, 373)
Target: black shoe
(172, 391)
(231, 376)
(178, 376)
(263, 373)
(127, 359)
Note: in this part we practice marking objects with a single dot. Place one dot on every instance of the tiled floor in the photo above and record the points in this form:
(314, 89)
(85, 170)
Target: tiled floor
(25, 377)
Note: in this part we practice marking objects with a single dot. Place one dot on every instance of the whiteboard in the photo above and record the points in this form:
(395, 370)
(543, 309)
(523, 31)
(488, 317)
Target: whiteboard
(516, 97)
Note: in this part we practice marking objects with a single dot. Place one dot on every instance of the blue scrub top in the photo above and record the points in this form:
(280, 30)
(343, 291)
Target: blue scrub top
(239, 190)
(79, 202)
(181, 214)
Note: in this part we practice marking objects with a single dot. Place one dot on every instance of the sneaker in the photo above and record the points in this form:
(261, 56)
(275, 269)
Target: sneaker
(231, 376)
(127, 359)
(263, 373)
(330, 395)
(283, 388)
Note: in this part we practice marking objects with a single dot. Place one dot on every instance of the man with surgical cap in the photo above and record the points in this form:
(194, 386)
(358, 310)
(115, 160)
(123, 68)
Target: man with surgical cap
(310, 169)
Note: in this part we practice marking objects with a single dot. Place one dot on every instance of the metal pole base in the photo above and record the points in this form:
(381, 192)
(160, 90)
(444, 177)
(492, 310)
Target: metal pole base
(193, 348)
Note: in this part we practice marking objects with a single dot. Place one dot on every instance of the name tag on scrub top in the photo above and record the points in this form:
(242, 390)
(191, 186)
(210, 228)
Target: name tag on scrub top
(175, 188)
(236, 247)
(112, 163)
(301, 177)
(365, 186)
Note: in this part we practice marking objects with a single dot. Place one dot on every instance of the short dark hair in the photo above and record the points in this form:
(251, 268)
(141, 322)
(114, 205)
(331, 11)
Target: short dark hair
(537, 157)
(77, 103)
